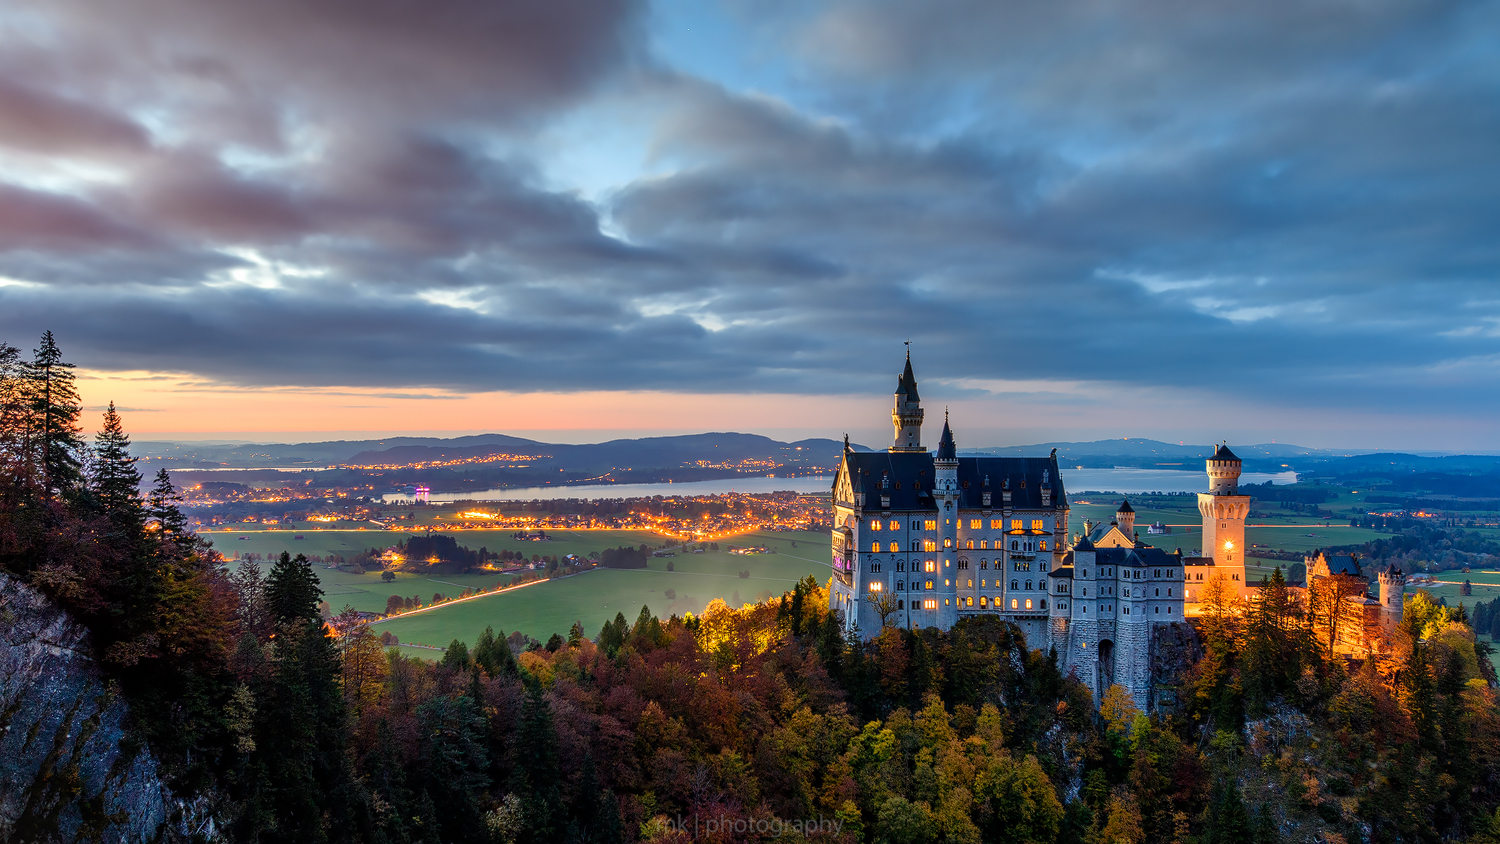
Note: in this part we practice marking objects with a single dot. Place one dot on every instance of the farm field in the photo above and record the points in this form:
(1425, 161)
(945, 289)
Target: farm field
(594, 597)
(368, 593)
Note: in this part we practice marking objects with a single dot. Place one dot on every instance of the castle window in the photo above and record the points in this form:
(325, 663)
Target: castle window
(895, 547)
(876, 524)
(929, 566)
(915, 545)
(1014, 604)
(983, 544)
(976, 524)
(945, 602)
(963, 564)
(895, 525)
(1169, 610)
(1015, 584)
(1171, 572)
(1045, 567)
(1028, 603)
(969, 602)
(916, 525)
(875, 587)
(983, 602)
(948, 542)
(1085, 591)
(932, 524)
(929, 604)
(928, 587)
(900, 565)
(900, 586)
(1085, 607)
(1127, 610)
(1036, 524)
(984, 565)
(1028, 586)
(1235, 576)
(997, 524)
(1015, 524)
(947, 582)
(1044, 603)
(1014, 545)
(969, 545)
(983, 583)
(1044, 544)
(1169, 592)
(875, 547)
(971, 583)
(1158, 593)
(1158, 610)
(900, 605)
(875, 568)
(885, 481)
(929, 545)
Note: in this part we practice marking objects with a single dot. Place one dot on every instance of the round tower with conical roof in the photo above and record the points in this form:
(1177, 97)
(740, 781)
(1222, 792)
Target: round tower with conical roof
(906, 416)
(1125, 517)
(1224, 511)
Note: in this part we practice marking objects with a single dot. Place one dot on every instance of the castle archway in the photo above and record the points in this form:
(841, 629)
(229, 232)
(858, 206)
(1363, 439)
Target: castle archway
(1106, 666)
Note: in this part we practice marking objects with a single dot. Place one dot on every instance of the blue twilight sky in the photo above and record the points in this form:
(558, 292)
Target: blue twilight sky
(1277, 220)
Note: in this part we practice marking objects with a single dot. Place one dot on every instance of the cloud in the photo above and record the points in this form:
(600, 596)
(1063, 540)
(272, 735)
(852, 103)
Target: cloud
(1280, 203)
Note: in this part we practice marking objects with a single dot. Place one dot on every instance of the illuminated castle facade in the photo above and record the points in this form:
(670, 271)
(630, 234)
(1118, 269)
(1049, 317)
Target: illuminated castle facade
(923, 539)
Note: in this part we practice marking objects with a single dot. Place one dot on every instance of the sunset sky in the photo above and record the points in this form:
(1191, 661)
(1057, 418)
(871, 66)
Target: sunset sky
(578, 219)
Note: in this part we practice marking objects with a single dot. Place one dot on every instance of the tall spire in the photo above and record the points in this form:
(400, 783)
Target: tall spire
(946, 448)
(906, 416)
(908, 382)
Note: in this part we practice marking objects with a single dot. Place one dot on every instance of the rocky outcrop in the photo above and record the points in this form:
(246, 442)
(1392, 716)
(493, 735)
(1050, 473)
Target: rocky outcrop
(64, 775)
(1174, 649)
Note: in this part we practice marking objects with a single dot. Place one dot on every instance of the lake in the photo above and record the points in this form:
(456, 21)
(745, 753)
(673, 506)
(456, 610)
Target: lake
(1130, 481)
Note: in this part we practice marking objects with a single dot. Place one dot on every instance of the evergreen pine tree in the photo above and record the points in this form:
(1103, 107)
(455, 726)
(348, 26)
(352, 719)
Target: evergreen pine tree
(55, 441)
(162, 510)
(292, 591)
(536, 771)
(116, 481)
(1228, 820)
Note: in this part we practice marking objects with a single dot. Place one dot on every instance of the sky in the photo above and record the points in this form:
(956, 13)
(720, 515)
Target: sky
(578, 219)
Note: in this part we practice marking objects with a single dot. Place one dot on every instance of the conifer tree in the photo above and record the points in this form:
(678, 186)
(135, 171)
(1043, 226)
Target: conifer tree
(116, 481)
(54, 440)
(162, 509)
(536, 771)
(292, 591)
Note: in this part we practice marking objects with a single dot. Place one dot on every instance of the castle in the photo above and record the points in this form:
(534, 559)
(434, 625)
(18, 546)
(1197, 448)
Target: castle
(923, 539)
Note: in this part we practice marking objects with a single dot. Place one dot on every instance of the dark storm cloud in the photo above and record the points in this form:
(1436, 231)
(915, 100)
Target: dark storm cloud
(1291, 201)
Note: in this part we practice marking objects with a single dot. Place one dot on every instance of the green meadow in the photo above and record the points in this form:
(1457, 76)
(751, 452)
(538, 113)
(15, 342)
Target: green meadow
(367, 592)
(594, 597)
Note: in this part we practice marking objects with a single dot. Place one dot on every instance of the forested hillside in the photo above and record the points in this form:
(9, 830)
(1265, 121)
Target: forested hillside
(265, 722)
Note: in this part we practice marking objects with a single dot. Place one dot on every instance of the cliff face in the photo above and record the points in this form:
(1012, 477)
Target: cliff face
(64, 775)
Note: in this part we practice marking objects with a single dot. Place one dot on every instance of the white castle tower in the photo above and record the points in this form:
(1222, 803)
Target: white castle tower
(945, 494)
(906, 416)
(1392, 599)
(1224, 511)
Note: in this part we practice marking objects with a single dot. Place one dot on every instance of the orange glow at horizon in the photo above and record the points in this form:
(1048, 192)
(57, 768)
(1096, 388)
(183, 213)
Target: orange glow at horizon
(180, 403)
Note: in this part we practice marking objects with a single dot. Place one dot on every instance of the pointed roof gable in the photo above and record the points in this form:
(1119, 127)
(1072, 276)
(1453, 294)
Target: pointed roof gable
(1125, 507)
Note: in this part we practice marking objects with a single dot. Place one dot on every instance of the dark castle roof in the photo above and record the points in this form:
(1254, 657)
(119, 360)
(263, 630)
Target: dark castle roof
(908, 382)
(1343, 564)
(1125, 507)
(1222, 452)
(910, 477)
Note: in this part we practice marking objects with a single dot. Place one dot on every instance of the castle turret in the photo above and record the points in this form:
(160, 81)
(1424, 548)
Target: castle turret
(1223, 470)
(945, 495)
(1125, 517)
(906, 416)
(1224, 510)
(1392, 599)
